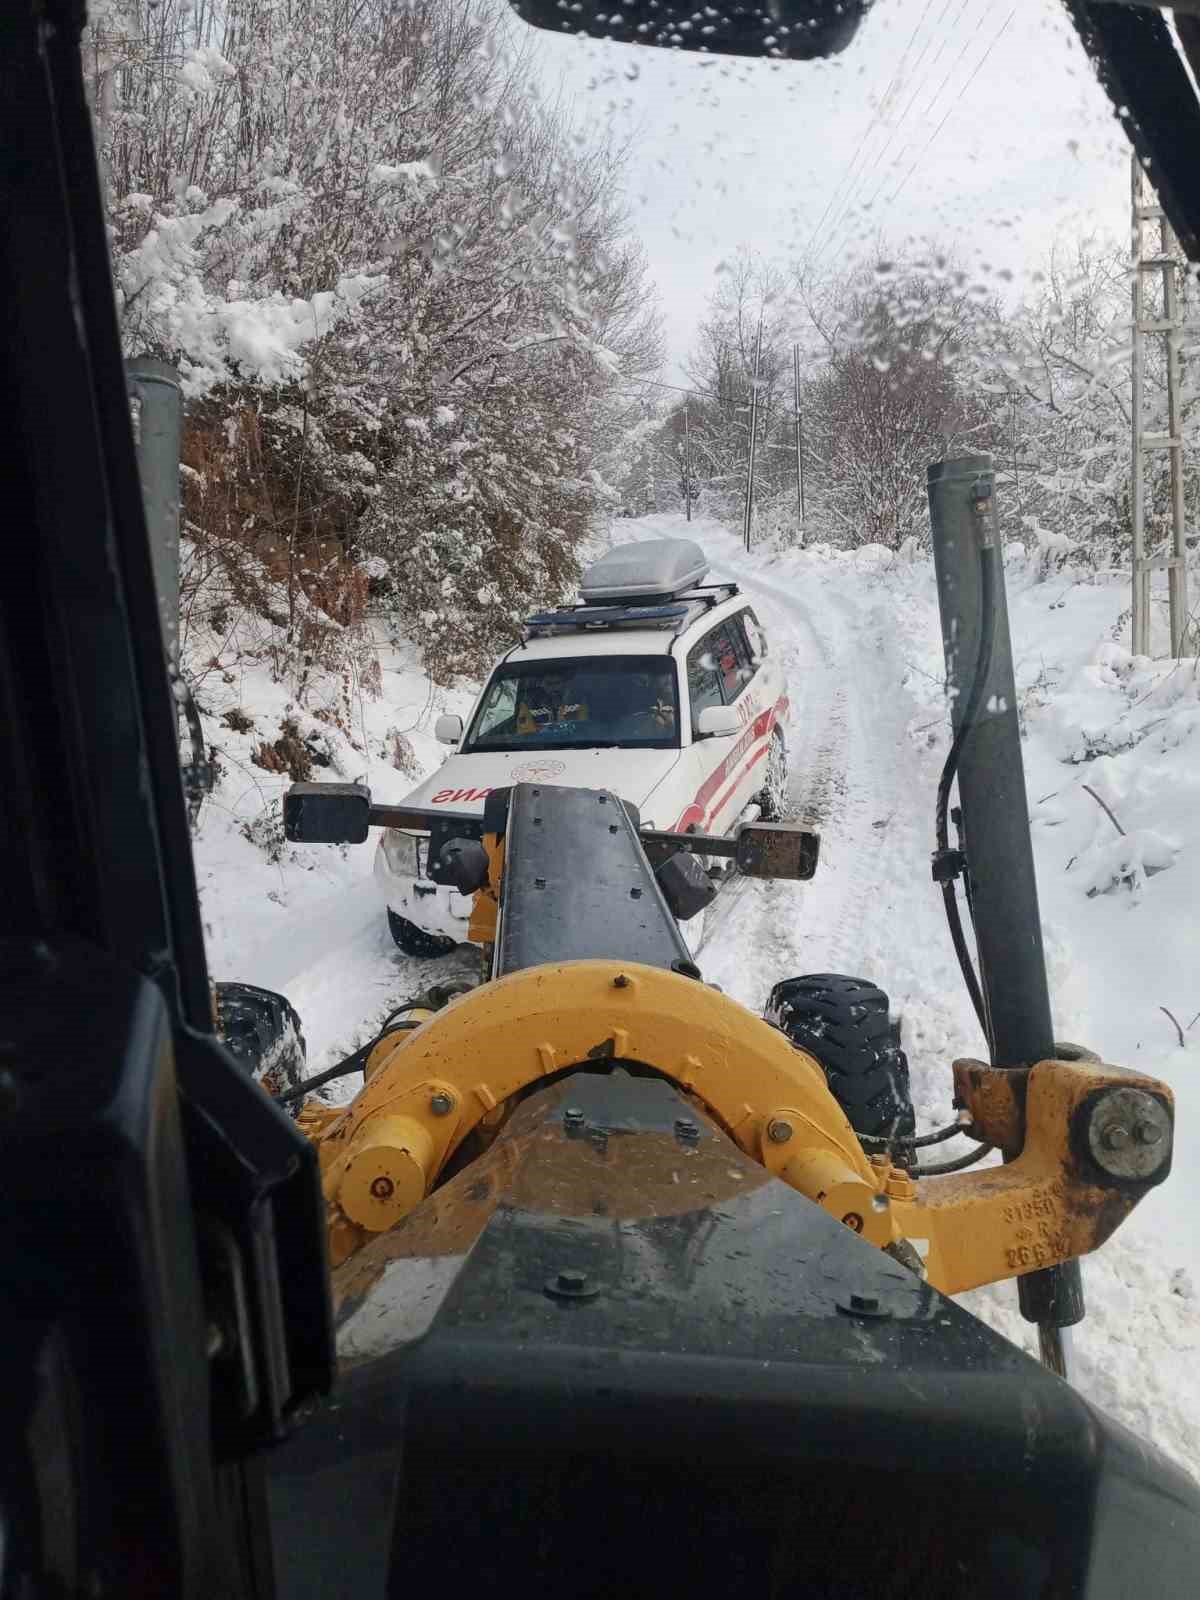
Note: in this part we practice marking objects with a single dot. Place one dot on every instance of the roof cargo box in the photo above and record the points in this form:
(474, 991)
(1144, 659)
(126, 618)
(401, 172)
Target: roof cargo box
(656, 570)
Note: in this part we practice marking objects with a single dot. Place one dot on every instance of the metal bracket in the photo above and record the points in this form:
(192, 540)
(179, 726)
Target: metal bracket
(947, 865)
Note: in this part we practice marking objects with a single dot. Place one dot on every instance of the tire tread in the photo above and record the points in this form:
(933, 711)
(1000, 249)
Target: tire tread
(845, 1023)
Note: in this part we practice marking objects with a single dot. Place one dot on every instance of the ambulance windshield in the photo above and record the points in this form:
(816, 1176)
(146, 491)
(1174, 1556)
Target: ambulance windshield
(579, 704)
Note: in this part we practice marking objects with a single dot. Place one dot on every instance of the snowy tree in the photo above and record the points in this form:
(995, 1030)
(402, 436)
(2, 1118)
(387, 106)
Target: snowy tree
(1058, 370)
(401, 291)
(905, 362)
(888, 397)
(721, 367)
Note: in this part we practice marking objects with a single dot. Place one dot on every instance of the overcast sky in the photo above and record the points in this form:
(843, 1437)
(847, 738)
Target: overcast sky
(978, 122)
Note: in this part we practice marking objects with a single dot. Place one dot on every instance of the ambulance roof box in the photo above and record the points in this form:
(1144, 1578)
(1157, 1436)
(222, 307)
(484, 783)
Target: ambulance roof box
(659, 569)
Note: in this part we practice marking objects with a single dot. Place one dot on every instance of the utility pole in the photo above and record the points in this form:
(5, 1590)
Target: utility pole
(799, 437)
(687, 459)
(1168, 326)
(753, 437)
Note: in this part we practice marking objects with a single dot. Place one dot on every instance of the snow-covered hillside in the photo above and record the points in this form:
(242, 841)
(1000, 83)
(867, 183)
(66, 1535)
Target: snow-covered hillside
(301, 919)
(1119, 876)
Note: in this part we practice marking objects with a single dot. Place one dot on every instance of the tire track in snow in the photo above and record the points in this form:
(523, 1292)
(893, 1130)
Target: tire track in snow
(872, 909)
(814, 925)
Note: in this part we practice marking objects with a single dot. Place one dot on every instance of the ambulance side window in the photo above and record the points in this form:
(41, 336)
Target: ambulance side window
(718, 667)
(728, 645)
(756, 642)
(704, 675)
(499, 707)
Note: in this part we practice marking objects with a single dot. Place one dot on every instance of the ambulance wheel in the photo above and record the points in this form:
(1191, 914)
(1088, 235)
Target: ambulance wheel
(772, 798)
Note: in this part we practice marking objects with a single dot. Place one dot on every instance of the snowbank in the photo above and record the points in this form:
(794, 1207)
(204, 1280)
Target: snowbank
(305, 920)
(1112, 762)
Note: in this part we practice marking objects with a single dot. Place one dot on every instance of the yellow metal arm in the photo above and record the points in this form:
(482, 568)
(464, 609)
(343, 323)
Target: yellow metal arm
(460, 1073)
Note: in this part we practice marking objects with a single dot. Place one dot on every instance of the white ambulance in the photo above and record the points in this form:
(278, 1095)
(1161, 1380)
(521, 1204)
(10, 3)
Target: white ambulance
(656, 685)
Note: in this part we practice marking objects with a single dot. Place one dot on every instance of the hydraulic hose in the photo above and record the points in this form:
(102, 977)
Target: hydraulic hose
(937, 1167)
(355, 1062)
(947, 865)
(436, 996)
(919, 1141)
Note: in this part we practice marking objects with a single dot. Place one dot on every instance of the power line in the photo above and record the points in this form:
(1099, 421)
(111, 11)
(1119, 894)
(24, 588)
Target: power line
(916, 95)
(839, 188)
(946, 37)
(654, 383)
(849, 195)
(704, 394)
(978, 67)
(920, 87)
(908, 144)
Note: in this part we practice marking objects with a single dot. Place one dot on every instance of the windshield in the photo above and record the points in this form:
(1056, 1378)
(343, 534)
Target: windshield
(631, 702)
(457, 306)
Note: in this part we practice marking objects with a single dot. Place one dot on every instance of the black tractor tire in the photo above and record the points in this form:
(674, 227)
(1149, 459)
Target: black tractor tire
(773, 798)
(415, 941)
(845, 1023)
(261, 1031)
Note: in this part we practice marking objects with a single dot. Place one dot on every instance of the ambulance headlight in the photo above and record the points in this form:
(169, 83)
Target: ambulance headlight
(404, 852)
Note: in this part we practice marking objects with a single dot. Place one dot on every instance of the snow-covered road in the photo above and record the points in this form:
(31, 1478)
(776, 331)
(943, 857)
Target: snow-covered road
(858, 776)
(861, 646)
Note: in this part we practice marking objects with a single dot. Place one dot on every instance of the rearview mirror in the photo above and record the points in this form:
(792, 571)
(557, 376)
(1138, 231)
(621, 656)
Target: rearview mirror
(776, 850)
(797, 30)
(718, 722)
(326, 813)
(448, 729)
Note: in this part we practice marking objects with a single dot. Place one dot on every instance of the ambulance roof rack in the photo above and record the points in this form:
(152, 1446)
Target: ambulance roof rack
(677, 613)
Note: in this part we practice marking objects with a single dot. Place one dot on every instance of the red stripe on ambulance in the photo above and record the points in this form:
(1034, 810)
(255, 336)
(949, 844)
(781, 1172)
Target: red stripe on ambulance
(699, 812)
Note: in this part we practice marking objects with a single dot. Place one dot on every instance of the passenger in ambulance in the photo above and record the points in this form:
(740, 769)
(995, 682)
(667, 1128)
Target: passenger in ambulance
(549, 701)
